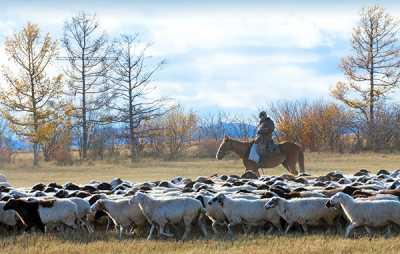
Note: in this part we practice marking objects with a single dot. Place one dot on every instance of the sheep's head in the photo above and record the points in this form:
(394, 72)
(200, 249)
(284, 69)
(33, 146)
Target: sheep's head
(12, 204)
(219, 199)
(138, 198)
(273, 202)
(201, 199)
(335, 200)
(97, 206)
(135, 199)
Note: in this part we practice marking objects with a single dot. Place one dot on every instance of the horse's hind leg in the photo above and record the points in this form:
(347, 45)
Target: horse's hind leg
(285, 165)
(291, 162)
(292, 168)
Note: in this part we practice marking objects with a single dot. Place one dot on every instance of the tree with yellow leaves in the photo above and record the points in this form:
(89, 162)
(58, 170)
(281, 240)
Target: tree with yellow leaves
(30, 97)
(373, 69)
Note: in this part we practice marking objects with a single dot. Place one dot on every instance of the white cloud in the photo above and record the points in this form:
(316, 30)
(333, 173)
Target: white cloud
(213, 44)
(276, 83)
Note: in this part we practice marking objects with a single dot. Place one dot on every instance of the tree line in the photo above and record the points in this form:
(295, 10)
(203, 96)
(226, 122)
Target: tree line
(99, 103)
(104, 82)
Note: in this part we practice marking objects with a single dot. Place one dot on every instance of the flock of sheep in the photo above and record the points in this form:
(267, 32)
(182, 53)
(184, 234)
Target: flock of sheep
(219, 204)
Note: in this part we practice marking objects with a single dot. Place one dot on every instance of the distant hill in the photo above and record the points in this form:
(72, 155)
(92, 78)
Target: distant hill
(234, 130)
(17, 144)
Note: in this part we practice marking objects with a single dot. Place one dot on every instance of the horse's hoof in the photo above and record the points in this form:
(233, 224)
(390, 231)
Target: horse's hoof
(249, 175)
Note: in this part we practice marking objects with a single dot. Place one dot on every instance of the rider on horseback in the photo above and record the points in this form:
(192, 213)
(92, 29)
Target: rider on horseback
(263, 138)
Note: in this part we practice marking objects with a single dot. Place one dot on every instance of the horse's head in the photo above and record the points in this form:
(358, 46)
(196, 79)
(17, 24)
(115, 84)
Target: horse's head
(224, 147)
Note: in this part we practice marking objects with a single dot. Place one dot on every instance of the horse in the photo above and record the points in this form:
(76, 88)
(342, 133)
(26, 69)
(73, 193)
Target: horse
(289, 155)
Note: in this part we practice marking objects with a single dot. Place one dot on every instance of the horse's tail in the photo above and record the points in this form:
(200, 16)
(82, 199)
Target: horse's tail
(301, 161)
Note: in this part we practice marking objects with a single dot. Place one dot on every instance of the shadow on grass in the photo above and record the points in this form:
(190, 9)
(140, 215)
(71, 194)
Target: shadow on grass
(83, 238)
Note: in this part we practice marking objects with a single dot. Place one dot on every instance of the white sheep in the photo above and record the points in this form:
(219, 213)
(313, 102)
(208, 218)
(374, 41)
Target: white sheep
(83, 208)
(213, 212)
(245, 211)
(172, 210)
(304, 211)
(122, 213)
(60, 211)
(366, 214)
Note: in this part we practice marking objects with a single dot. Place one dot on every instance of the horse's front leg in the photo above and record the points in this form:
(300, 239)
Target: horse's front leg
(254, 171)
(252, 167)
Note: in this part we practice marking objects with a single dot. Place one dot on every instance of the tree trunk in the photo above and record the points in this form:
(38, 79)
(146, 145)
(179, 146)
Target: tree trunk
(35, 154)
(84, 123)
(134, 148)
(371, 134)
(84, 131)
(132, 138)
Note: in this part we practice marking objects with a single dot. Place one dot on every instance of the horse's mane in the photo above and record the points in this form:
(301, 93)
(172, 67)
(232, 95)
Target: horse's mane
(243, 141)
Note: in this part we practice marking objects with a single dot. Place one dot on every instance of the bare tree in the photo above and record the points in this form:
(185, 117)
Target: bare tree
(28, 99)
(89, 56)
(133, 72)
(179, 127)
(242, 128)
(212, 126)
(373, 68)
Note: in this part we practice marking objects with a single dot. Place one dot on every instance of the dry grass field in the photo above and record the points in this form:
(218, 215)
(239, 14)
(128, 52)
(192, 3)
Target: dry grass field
(21, 174)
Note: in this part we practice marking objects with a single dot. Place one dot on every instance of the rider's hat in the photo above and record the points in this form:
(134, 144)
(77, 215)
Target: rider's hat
(262, 115)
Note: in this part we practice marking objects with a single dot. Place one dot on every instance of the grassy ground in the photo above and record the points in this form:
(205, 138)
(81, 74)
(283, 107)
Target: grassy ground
(108, 243)
(22, 174)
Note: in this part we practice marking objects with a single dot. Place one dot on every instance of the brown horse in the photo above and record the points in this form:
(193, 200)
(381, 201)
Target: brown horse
(289, 155)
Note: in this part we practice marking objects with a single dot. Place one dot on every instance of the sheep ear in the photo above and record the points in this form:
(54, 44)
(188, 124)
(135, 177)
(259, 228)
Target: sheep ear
(201, 199)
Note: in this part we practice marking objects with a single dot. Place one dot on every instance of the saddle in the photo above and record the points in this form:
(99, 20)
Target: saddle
(271, 149)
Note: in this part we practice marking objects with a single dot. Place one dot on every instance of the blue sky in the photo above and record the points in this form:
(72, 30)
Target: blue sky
(221, 55)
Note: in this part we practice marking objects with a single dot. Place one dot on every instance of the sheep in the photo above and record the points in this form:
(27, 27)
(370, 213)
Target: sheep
(237, 211)
(213, 212)
(173, 210)
(95, 217)
(83, 209)
(18, 194)
(366, 214)
(9, 217)
(121, 212)
(39, 213)
(304, 211)
(380, 197)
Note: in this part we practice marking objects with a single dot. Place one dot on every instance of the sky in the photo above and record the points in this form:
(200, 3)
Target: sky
(234, 56)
